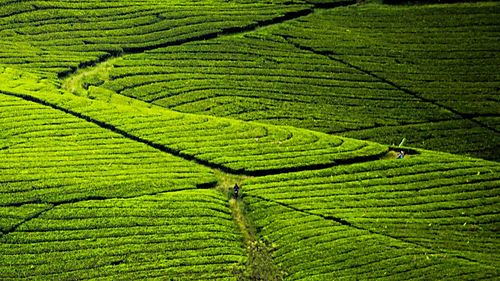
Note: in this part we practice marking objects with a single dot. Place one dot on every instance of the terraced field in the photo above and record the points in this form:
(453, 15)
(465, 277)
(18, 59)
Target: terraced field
(67, 35)
(184, 235)
(124, 126)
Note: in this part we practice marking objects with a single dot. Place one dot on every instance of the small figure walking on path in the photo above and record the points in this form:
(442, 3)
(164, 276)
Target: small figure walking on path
(236, 190)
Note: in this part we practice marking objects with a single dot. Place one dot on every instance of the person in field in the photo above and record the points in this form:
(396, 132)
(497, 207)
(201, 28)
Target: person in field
(401, 155)
(236, 190)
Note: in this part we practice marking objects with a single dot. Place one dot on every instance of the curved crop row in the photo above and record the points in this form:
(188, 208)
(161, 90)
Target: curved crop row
(376, 78)
(268, 76)
(262, 77)
(240, 147)
(186, 235)
(89, 31)
(450, 60)
(433, 200)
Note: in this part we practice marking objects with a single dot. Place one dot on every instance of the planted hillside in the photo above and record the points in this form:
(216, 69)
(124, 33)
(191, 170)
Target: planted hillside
(429, 214)
(81, 202)
(265, 78)
(50, 157)
(444, 55)
(130, 147)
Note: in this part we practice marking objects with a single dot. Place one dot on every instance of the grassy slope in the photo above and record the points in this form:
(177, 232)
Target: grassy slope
(444, 55)
(235, 146)
(401, 205)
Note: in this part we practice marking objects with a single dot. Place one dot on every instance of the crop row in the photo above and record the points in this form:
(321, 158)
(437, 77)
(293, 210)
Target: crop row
(185, 234)
(52, 156)
(438, 201)
(227, 144)
(263, 78)
(310, 247)
(384, 75)
(457, 136)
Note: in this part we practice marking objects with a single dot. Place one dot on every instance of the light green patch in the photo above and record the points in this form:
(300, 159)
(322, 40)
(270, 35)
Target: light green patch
(85, 79)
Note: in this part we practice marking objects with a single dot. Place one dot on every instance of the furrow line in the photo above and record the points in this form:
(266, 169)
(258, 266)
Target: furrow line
(36, 215)
(226, 31)
(195, 158)
(73, 201)
(121, 132)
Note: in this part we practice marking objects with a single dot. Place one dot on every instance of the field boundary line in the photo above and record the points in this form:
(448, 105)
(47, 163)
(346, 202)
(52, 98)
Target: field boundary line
(331, 56)
(349, 224)
(53, 205)
(29, 218)
(116, 130)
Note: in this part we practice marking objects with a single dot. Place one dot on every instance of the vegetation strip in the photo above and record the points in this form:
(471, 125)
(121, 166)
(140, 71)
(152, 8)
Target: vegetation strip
(186, 233)
(262, 77)
(239, 147)
(336, 250)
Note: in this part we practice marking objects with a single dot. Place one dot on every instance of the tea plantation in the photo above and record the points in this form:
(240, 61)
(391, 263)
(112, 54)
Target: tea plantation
(124, 126)
(429, 74)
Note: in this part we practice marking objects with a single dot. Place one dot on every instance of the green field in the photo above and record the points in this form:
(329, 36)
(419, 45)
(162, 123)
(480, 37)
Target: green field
(125, 124)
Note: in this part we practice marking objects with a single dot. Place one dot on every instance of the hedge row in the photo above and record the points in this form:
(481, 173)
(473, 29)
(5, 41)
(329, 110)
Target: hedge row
(110, 28)
(443, 54)
(50, 156)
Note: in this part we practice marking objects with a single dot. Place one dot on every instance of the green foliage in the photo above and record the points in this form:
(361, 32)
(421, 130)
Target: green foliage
(79, 34)
(440, 54)
(438, 204)
(100, 179)
(57, 157)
